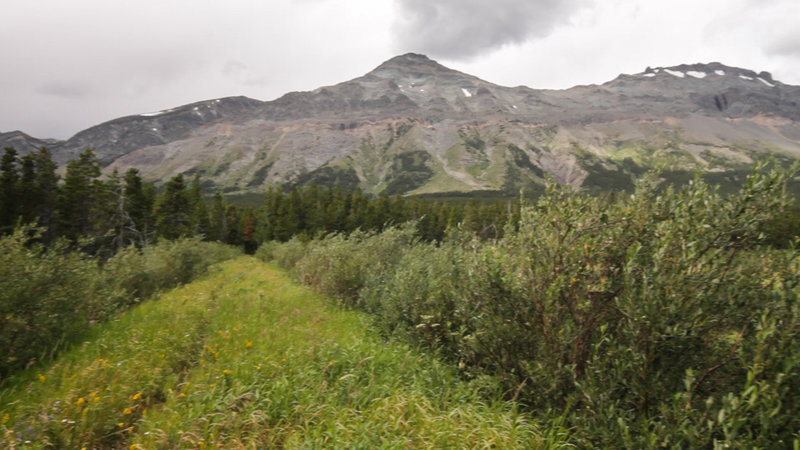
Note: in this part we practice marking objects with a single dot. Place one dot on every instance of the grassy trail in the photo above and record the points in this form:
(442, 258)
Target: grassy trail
(244, 358)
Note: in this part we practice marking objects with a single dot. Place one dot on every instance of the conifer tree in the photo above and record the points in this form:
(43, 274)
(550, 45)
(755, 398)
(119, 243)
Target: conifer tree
(217, 225)
(9, 178)
(250, 245)
(139, 199)
(27, 190)
(200, 217)
(174, 210)
(294, 222)
(48, 192)
(78, 196)
(233, 235)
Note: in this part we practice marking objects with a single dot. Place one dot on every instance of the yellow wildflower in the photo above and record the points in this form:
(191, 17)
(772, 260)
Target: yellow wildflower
(6, 418)
(96, 399)
(248, 343)
(182, 395)
(226, 372)
(41, 377)
(121, 424)
(258, 367)
(127, 411)
(136, 396)
(81, 401)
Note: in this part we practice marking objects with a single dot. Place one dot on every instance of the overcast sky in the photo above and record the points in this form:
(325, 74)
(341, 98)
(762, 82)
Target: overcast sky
(68, 65)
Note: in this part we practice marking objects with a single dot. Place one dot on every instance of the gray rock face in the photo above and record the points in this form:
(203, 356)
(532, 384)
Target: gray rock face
(24, 143)
(413, 125)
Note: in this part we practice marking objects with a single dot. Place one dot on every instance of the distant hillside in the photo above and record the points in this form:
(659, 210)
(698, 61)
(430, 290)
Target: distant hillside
(414, 126)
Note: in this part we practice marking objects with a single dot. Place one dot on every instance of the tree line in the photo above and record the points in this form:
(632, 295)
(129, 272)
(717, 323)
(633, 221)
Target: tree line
(101, 214)
(98, 214)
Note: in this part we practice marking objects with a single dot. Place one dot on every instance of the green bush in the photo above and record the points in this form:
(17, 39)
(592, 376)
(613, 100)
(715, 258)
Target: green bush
(341, 265)
(143, 272)
(286, 254)
(644, 319)
(48, 298)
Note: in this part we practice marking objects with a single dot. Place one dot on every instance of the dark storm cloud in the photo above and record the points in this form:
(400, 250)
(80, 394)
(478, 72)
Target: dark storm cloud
(460, 29)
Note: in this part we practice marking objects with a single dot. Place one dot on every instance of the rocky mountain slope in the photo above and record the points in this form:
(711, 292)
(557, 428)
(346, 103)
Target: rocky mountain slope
(415, 126)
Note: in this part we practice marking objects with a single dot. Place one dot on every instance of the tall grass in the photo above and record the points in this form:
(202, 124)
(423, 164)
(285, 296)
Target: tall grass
(256, 362)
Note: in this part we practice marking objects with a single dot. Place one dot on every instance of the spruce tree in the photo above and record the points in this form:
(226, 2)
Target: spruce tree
(174, 210)
(217, 225)
(200, 219)
(48, 192)
(139, 200)
(9, 178)
(78, 196)
(27, 189)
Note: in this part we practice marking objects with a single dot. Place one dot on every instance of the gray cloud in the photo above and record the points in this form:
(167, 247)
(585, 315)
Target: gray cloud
(461, 29)
(787, 44)
(62, 89)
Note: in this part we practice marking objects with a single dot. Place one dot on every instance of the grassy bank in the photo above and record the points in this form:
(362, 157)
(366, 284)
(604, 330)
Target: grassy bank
(243, 358)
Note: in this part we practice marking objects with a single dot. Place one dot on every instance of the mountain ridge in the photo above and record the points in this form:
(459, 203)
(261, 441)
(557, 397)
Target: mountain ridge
(412, 125)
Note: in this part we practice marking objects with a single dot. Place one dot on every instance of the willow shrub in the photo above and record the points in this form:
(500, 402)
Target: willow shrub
(652, 318)
(143, 272)
(49, 296)
(341, 265)
(648, 319)
(284, 254)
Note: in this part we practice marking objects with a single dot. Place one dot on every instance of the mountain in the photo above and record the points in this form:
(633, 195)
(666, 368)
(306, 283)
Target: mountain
(412, 125)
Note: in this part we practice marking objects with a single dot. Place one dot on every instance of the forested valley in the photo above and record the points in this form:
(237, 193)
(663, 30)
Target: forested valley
(658, 316)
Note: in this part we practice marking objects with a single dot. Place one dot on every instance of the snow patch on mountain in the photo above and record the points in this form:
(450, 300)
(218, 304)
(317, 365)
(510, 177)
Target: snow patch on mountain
(156, 113)
(675, 73)
(766, 82)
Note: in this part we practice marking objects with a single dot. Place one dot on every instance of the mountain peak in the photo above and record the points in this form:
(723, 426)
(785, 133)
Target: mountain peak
(409, 63)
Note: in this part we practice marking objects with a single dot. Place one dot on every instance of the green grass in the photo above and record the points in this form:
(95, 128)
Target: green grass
(244, 358)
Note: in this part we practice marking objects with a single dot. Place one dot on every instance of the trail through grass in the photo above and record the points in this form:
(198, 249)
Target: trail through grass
(246, 359)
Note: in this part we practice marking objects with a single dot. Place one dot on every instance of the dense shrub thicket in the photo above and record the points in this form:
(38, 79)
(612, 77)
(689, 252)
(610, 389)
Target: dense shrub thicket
(49, 295)
(648, 319)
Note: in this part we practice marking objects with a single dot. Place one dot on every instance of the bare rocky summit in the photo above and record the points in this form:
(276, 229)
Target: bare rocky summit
(414, 126)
